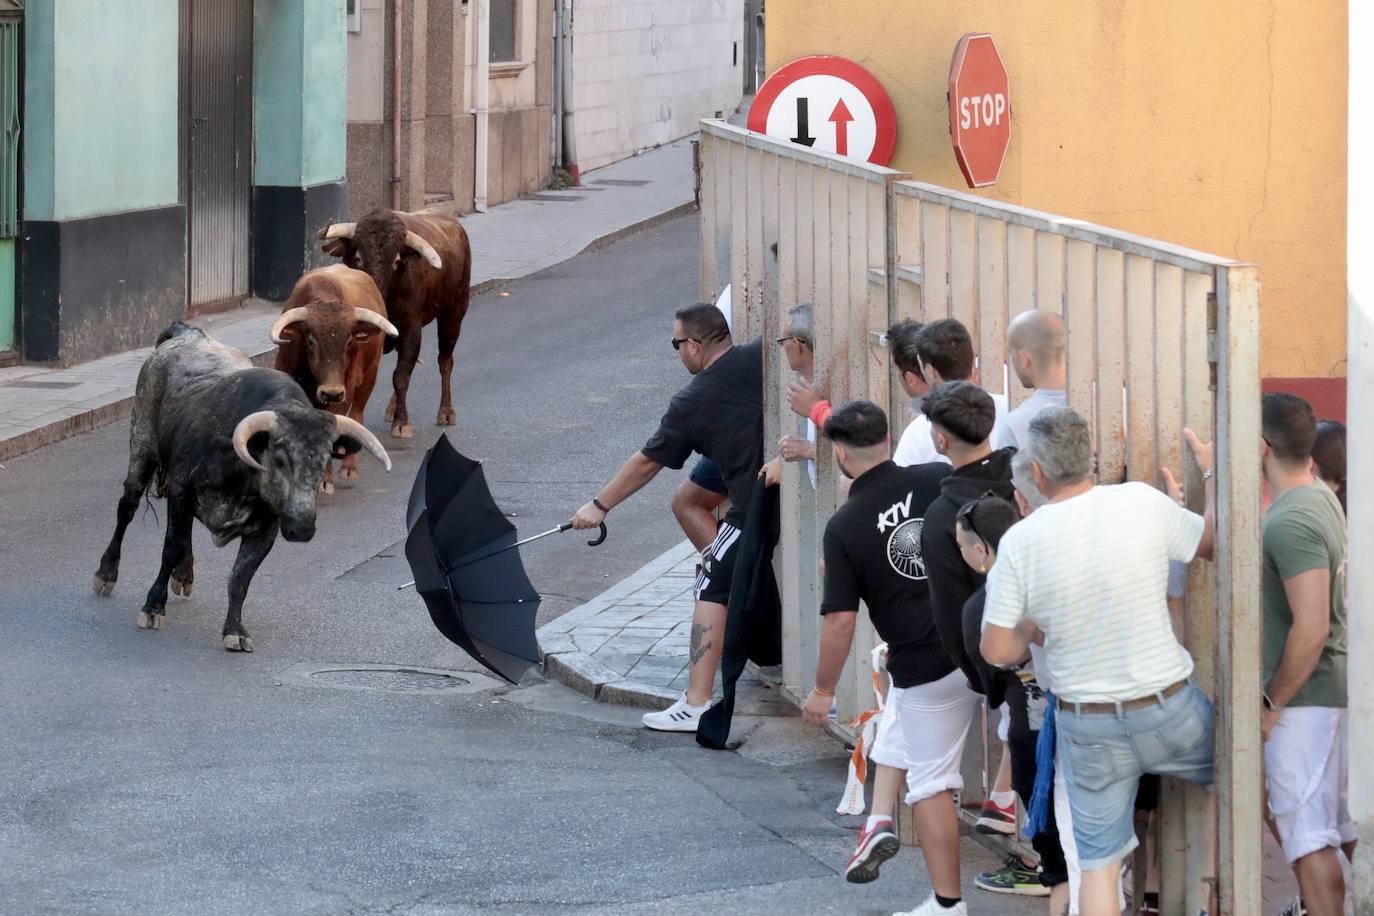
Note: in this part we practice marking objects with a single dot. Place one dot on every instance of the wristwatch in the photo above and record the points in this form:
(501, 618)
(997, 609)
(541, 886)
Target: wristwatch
(1209, 474)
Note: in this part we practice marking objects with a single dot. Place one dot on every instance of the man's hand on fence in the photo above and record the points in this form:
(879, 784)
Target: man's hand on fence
(1171, 486)
(1202, 451)
(796, 448)
(801, 397)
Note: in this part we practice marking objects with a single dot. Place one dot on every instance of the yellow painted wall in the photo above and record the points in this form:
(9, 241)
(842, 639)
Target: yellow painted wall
(1217, 124)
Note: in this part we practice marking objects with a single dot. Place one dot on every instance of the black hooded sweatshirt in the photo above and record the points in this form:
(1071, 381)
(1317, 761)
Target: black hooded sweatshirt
(952, 581)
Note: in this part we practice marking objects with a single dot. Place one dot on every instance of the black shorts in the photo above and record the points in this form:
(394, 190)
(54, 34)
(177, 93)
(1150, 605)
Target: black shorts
(706, 474)
(718, 565)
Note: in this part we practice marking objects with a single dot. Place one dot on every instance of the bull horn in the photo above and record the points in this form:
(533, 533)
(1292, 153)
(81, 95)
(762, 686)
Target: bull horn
(339, 231)
(288, 318)
(367, 316)
(264, 421)
(425, 249)
(351, 427)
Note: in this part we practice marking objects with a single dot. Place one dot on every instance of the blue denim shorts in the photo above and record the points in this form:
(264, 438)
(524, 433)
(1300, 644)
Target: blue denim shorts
(707, 475)
(1103, 756)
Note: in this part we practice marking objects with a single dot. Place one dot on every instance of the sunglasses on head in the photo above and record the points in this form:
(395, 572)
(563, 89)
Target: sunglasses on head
(965, 513)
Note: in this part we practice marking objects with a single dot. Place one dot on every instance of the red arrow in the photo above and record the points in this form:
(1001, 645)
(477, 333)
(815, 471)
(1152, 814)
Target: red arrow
(841, 117)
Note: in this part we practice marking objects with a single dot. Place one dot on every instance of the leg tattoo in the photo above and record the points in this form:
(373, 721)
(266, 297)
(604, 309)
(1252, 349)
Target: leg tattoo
(699, 648)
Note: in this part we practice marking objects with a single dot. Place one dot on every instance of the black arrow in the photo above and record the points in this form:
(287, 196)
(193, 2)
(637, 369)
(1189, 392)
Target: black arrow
(803, 133)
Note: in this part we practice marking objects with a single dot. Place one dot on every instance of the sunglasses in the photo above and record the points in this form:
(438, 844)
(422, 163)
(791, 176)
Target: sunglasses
(965, 514)
(783, 340)
(679, 341)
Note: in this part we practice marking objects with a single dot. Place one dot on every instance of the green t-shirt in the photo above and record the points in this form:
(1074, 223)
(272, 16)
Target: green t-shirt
(1304, 529)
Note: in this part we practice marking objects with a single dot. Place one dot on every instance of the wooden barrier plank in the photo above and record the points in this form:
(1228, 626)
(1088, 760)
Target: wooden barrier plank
(1238, 569)
(1140, 369)
(991, 339)
(790, 175)
(963, 270)
(706, 218)
(1021, 267)
(1110, 430)
(739, 237)
(1080, 325)
(1049, 272)
(1200, 623)
(934, 262)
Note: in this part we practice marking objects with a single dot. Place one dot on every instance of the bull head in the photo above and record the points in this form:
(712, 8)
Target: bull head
(329, 331)
(288, 449)
(378, 244)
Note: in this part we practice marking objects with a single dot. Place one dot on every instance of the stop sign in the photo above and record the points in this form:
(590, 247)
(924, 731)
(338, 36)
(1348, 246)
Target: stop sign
(979, 109)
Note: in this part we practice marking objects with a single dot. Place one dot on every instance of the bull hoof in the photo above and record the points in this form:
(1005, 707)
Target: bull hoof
(447, 416)
(235, 643)
(348, 473)
(390, 413)
(148, 621)
(327, 488)
(181, 588)
(402, 431)
(103, 588)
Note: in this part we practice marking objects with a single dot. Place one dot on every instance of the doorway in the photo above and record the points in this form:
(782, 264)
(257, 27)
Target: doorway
(217, 132)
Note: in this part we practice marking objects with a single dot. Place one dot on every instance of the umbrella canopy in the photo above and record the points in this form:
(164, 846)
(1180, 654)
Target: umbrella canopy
(475, 587)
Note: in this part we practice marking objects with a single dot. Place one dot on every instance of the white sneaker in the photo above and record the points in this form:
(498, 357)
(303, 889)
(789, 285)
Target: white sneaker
(932, 908)
(680, 717)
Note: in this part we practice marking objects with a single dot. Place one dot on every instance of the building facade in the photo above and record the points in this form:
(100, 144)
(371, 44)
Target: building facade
(177, 156)
(570, 84)
(1220, 126)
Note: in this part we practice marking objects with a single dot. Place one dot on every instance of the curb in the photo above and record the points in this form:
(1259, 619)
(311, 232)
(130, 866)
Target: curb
(565, 663)
(119, 409)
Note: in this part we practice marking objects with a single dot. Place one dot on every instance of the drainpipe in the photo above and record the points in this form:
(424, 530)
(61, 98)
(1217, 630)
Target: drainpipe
(481, 100)
(396, 103)
(558, 83)
(566, 84)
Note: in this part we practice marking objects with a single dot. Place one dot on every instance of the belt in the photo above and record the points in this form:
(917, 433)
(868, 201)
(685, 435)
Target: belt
(1123, 706)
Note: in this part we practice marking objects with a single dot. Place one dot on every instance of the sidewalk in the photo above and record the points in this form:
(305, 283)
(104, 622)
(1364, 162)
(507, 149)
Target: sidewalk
(41, 406)
(628, 646)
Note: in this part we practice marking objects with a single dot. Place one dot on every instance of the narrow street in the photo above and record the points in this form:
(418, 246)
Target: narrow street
(153, 772)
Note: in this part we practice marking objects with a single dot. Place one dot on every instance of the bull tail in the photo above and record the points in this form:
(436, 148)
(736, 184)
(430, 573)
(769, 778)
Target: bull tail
(175, 329)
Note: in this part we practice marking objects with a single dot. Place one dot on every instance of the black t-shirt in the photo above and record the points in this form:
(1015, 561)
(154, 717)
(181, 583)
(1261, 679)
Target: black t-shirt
(873, 553)
(719, 413)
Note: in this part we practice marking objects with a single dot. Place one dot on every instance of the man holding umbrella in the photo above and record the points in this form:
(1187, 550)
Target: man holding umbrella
(719, 414)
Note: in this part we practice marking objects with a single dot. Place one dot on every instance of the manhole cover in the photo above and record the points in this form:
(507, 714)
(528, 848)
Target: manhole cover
(390, 678)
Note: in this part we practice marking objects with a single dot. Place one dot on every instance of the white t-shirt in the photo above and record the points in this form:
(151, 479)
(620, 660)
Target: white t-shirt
(1016, 430)
(1092, 572)
(918, 447)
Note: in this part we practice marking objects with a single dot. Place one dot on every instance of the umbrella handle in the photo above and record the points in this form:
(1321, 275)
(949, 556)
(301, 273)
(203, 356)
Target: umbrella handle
(596, 543)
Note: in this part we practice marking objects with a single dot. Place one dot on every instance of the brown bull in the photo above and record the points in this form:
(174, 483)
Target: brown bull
(422, 265)
(329, 339)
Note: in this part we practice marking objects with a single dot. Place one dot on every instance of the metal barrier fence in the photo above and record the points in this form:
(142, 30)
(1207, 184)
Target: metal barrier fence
(1158, 337)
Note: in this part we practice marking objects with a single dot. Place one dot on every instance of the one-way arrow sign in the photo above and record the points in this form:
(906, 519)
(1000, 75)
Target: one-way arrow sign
(841, 118)
(803, 124)
(837, 90)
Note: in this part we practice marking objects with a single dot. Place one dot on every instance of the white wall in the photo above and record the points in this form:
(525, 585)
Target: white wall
(645, 71)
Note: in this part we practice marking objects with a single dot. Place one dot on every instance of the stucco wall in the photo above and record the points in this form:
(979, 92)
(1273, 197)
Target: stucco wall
(645, 71)
(1220, 126)
(111, 145)
(299, 92)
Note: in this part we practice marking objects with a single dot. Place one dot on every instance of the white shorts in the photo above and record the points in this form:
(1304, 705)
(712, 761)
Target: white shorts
(923, 730)
(1004, 724)
(1307, 774)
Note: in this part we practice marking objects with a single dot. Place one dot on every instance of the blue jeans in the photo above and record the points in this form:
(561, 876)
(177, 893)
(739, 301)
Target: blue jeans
(1103, 756)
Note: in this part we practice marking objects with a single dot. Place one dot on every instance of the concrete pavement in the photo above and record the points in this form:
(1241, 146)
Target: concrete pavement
(40, 406)
(331, 771)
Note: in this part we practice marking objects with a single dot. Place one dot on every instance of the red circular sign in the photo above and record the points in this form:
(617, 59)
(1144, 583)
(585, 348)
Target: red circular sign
(828, 104)
(979, 109)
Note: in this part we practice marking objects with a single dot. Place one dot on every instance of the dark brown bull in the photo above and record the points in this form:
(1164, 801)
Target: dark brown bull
(329, 339)
(422, 265)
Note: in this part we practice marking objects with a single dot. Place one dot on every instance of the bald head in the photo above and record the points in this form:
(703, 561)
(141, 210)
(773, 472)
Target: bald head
(1036, 341)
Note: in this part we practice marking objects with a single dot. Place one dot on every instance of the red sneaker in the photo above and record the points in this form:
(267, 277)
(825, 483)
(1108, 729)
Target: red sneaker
(996, 819)
(875, 847)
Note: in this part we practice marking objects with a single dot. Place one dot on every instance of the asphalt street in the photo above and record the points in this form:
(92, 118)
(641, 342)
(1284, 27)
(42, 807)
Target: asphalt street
(152, 772)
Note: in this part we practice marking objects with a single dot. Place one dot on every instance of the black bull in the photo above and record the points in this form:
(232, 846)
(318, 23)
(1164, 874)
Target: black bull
(239, 448)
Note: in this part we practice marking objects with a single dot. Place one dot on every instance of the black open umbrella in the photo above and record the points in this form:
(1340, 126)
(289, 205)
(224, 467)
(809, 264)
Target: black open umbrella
(460, 548)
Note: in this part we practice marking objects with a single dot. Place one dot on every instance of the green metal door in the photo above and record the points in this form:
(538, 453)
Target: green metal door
(9, 171)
